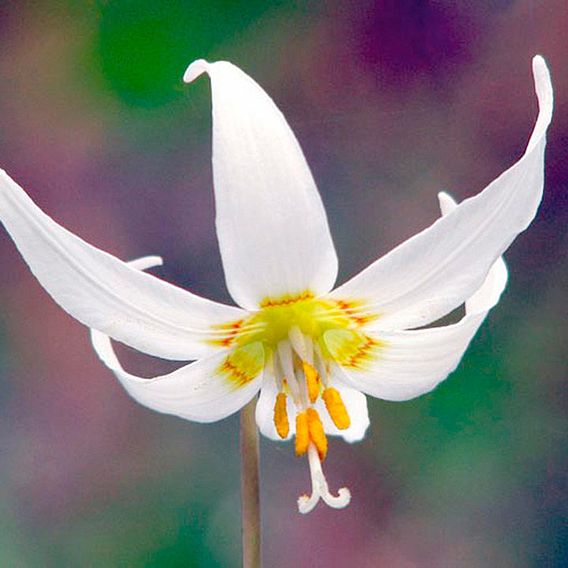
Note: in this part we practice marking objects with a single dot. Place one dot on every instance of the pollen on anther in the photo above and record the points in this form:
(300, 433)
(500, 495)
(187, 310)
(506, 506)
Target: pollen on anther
(336, 408)
(281, 416)
(302, 433)
(313, 381)
(317, 433)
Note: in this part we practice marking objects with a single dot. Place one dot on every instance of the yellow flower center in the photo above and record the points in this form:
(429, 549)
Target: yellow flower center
(296, 340)
(331, 327)
(277, 316)
(313, 317)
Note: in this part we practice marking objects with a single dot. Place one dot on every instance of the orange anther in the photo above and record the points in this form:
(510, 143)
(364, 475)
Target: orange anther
(281, 416)
(313, 381)
(317, 433)
(336, 408)
(302, 433)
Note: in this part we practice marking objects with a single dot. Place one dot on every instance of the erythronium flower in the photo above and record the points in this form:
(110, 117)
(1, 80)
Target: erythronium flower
(312, 353)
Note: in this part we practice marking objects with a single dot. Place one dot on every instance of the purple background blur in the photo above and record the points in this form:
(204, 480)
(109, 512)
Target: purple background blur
(392, 102)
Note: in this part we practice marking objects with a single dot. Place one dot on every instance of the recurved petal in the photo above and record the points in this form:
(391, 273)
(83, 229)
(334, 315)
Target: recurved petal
(432, 273)
(490, 292)
(405, 364)
(105, 293)
(204, 391)
(355, 403)
(271, 224)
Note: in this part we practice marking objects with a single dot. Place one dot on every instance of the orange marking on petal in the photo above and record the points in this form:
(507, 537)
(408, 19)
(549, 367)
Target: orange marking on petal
(243, 364)
(287, 299)
(352, 349)
(233, 372)
(363, 353)
(355, 311)
(232, 330)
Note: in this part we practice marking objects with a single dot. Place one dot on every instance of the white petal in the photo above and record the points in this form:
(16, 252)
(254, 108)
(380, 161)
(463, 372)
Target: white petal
(411, 363)
(490, 292)
(355, 403)
(271, 224)
(103, 292)
(437, 270)
(198, 391)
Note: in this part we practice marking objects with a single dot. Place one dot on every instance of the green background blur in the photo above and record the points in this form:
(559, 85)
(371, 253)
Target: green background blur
(392, 102)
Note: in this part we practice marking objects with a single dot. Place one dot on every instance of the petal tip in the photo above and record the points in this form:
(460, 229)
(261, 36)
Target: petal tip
(542, 82)
(447, 202)
(538, 61)
(146, 262)
(195, 69)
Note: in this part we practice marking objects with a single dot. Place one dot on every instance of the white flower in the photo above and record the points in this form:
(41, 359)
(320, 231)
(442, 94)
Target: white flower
(310, 351)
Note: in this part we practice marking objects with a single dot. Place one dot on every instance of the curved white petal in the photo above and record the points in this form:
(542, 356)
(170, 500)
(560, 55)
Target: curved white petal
(103, 292)
(355, 403)
(410, 363)
(146, 262)
(199, 391)
(437, 270)
(488, 295)
(271, 224)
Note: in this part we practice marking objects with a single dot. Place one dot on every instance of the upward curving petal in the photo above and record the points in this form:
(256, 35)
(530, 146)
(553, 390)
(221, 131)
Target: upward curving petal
(103, 292)
(407, 364)
(435, 271)
(271, 224)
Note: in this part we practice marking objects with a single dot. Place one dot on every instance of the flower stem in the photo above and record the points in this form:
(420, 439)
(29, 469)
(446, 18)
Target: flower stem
(250, 494)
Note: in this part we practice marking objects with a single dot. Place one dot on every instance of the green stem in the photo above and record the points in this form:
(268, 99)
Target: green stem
(250, 494)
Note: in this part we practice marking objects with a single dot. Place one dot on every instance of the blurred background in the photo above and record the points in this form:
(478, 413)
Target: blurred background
(392, 102)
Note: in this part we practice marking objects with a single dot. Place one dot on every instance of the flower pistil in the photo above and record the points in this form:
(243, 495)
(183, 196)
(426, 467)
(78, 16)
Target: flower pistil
(291, 334)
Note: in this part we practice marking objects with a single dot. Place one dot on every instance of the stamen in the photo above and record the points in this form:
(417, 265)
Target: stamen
(281, 416)
(302, 433)
(321, 365)
(285, 357)
(313, 381)
(298, 342)
(287, 368)
(317, 433)
(309, 348)
(320, 488)
(336, 408)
